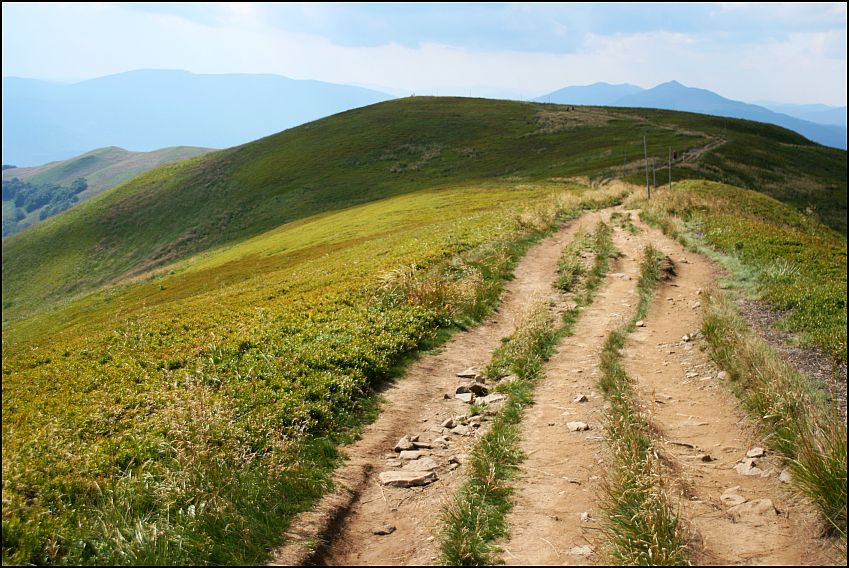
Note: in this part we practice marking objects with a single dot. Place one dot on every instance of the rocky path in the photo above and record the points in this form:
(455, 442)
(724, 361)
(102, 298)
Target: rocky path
(734, 497)
(348, 523)
(555, 515)
(410, 462)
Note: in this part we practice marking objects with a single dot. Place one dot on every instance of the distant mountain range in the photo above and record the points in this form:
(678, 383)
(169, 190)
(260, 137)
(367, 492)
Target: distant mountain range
(149, 109)
(675, 96)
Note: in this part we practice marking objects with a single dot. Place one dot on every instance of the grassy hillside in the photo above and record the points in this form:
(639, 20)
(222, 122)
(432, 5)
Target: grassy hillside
(103, 168)
(383, 150)
(185, 411)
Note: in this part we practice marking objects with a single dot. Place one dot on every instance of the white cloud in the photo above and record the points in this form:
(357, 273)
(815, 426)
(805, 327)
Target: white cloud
(99, 40)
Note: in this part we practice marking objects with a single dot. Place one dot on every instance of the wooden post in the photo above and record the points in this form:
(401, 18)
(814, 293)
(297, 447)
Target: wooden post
(653, 174)
(670, 168)
(646, 154)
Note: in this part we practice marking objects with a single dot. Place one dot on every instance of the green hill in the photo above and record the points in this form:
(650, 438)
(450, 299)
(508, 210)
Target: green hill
(102, 169)
(183, 353)
(387, 149)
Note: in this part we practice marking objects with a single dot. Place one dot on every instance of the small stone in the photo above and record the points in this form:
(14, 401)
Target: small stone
(584, 517)
(421, 464)
(756, 452)
(491, 398)
(410, 455)
(585, 550)
(785, 476)
(466, 397)
(722, 376)
(407, 478)
(404, 444)
(577, 426)
(748, 467)
(459, 458)
(478, 389)
(384, 530)
(581, 398)
(475, 421)
(469, 373)
(446, 396)
(685, 338)
(414, 439)
(732, 499)
(422, 445)
(462, 389)
(508, 379)
(640, 323)
(707, 458)
(453, 466)
(461, 430)
(696, 305)
(755, 512)
(448, 423)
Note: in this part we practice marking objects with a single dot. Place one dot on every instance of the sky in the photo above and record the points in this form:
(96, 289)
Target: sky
(790, 53)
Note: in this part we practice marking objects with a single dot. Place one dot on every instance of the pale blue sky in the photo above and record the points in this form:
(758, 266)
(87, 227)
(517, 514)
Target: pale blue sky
(787, 52)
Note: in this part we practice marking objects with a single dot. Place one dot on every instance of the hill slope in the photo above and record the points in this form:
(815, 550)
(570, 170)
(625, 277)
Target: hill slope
(102, 169)
(45, 121)
(390, 149)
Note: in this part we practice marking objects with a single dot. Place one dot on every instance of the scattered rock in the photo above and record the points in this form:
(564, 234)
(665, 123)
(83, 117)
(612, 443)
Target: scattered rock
(461, 430)
(421, 464)
(686, 337)
(508, 379)
(459, 458)
(422, 445)
(478, 389)
(692, 375)
(466, 397)
(384, 530)
(407, 478)
(453, 466)
(640, 323)
(577, 426)
(581, 398)
(732, 499)
(410, 455)
(584, 517)
(707, 458)
(491, 398)
(696, 305)
(756, 512)
(756, 452)
(785, 476)
(722, 376)
(475, 421)
(414, 439)
(585, 550)
(446, 396)
(747, 467)
(448, 423)
(469, 373)
(462, 389)
(404, 444)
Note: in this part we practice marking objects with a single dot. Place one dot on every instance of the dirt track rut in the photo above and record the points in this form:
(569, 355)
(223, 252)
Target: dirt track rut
(556, 516)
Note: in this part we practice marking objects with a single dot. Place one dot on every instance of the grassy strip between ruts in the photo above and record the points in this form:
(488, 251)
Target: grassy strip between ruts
(794, 413)
(476, 518)
(641, 526)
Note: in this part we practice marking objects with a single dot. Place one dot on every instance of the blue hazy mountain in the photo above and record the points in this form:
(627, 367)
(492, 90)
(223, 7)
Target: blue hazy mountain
(603, 94)
(150, 109)
(675, 96)
(821, 114)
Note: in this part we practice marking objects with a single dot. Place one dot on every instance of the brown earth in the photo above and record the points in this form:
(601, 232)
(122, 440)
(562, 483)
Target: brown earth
(340, 530)
(555, 518)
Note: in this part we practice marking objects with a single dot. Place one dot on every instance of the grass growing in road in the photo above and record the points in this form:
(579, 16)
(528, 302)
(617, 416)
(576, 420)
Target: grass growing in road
(476, 518)
(799, 423)
(641, 526)
(794, 264)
